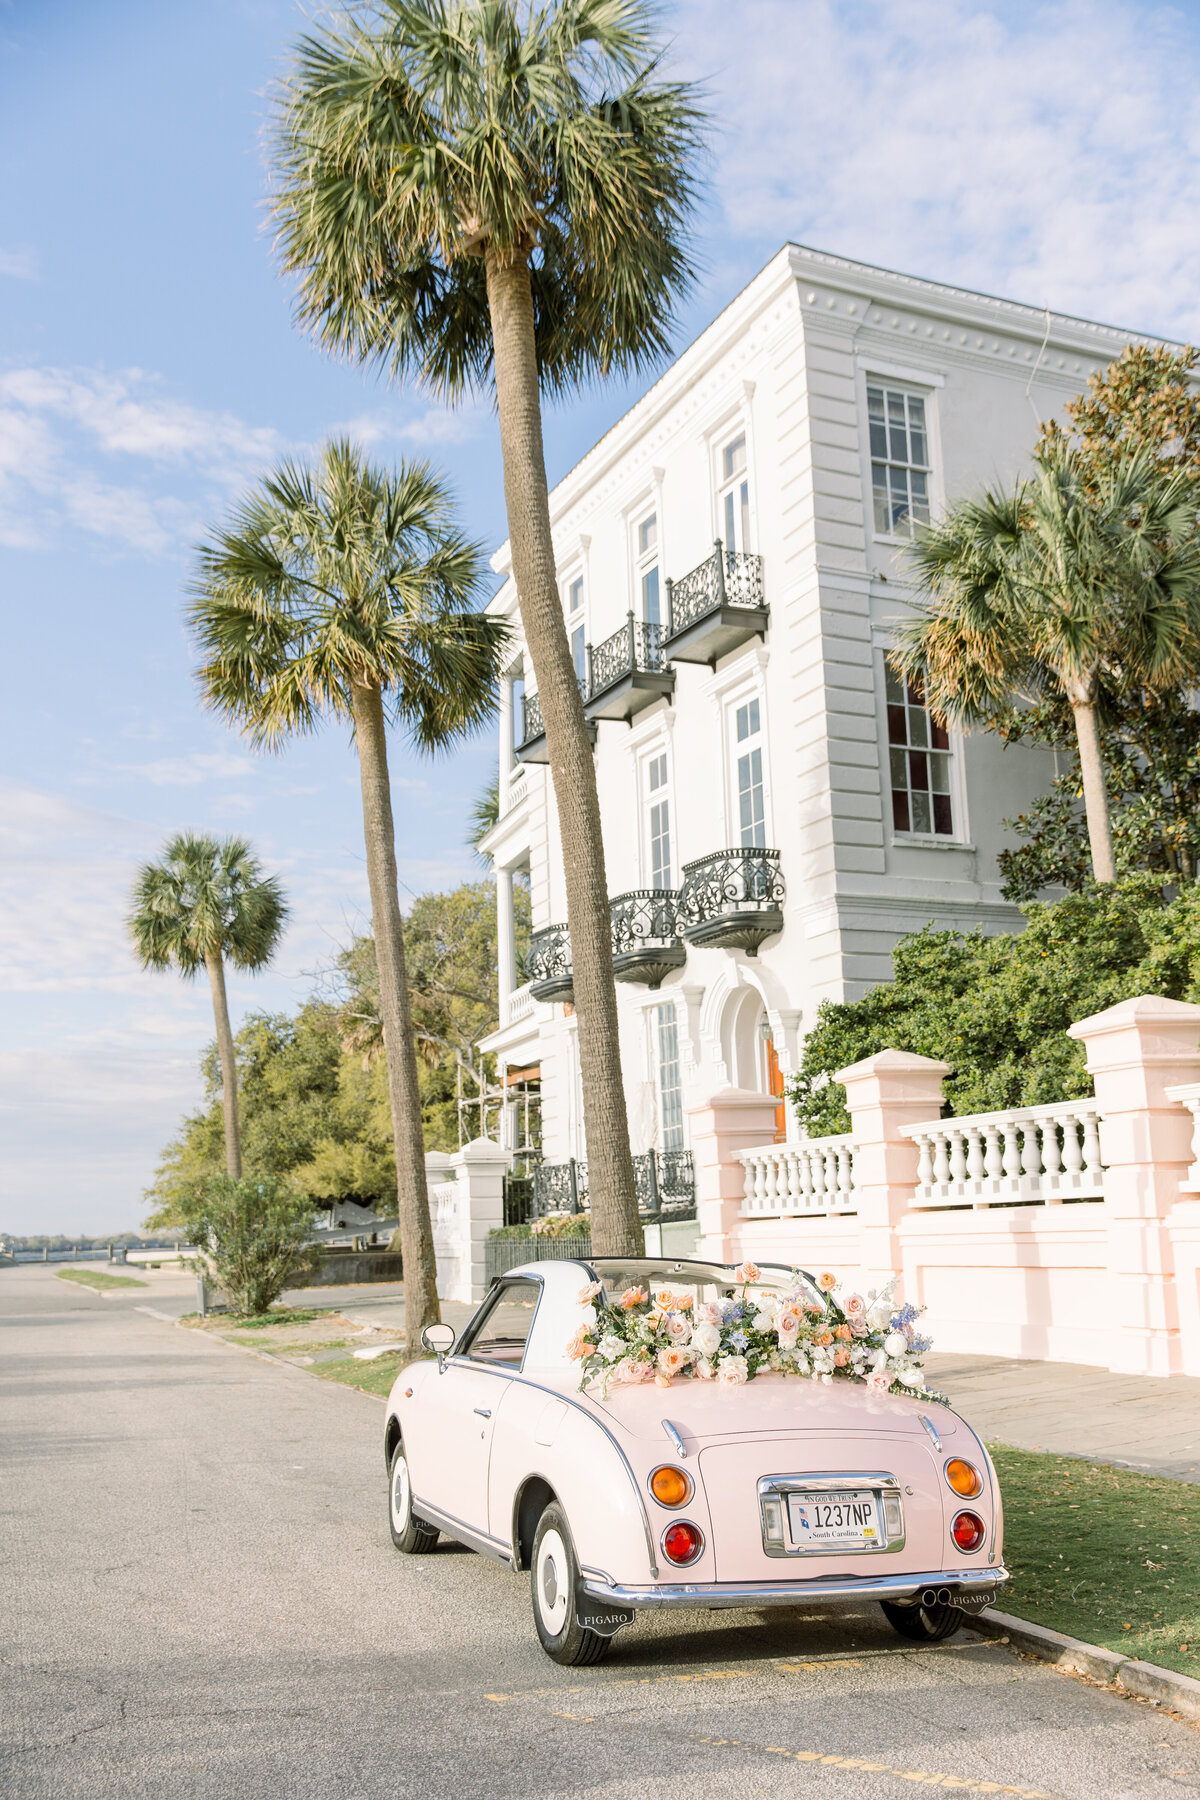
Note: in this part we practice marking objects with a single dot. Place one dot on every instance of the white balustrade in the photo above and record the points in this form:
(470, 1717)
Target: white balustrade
(812, 1177)
(517, 790)
(1035, 1155)
(520, 1005)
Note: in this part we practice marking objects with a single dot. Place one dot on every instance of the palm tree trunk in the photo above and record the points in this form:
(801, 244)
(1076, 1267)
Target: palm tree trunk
(412, 1194)
(1095, 792)
(616, 1230)
(215, 965)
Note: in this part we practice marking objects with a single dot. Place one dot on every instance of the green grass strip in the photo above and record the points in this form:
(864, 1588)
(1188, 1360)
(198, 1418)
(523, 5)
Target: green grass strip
(1103, 1554)
(97, 1278)
(374, 1377)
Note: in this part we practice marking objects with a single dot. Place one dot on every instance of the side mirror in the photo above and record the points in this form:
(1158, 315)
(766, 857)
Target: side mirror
(439, 1339)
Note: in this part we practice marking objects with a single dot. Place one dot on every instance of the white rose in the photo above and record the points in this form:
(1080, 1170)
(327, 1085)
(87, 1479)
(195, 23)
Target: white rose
(895, 1343)
(706, 1340)
(912, 1378)
(704, 1369)
(762, 1321)
(879, 1316)
(732, 1370)
(678, 1329)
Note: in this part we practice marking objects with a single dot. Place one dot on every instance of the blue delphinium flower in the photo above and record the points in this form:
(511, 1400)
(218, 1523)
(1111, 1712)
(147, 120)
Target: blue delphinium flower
(918, 1345)
(733, 1309)
(739, 1340)
(908, 1315)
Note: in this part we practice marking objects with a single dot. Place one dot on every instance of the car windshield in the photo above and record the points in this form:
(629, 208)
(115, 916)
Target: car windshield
(705, 1282)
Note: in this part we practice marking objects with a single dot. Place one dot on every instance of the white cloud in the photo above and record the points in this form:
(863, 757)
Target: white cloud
(128, 414)
(1047, 153)
(191, 771)
(20, 265)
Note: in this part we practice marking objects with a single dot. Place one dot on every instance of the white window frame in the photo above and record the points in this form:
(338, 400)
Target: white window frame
(645, 560)
(960, 837)
(655, 1060)
(646, 801)
(730, 694)
(735, 428)
(575, 616)
(923, 387)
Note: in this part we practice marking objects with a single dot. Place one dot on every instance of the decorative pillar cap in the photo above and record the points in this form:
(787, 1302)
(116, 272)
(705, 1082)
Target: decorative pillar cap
(1142, 1009)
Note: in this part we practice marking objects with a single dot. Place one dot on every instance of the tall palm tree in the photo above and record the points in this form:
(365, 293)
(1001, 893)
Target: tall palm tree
(206, 902)
(1082, 573)
(343, 590)
(487, 194)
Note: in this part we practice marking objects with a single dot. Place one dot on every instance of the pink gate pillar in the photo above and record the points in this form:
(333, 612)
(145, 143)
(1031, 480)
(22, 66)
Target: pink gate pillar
(1135, 1052)
(884, 1092)
(730, 1120)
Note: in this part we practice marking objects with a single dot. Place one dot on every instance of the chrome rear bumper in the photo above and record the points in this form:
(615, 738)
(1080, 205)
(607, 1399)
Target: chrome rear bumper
(963, 1584)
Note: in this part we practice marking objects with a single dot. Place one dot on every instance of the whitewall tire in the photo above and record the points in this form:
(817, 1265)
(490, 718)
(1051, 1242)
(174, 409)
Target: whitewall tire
(410, 1535)
(553, 1574)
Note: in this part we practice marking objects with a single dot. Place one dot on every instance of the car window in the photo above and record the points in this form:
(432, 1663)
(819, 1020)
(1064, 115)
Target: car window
(498, 1333)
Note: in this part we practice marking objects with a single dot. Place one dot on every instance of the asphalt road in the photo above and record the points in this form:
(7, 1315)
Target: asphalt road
(199, 1599)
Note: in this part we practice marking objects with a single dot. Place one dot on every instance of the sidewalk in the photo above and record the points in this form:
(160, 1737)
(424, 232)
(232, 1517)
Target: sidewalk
(1074, 1410)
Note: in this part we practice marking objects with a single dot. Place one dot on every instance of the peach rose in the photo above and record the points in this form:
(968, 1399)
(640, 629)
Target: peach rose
(840, 1358)
(827, 1282)
(632, 1297)
(843, 1332)
(636, 1370)
(855, 1307)
(671, 1362)
(579, 1346)
(662, 1381)
(684, 1302)
(746, 1271)
(588, 1293)
(826, 1337)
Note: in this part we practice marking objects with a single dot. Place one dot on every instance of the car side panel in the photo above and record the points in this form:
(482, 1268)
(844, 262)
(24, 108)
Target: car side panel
(539, 1434)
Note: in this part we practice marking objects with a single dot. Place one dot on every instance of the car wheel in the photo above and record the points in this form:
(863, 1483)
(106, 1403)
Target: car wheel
(408, 1534)
(924, 1624)
(552, 1573)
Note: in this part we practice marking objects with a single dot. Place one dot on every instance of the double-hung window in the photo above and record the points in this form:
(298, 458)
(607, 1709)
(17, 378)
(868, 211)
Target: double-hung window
(899, 460)
(919, 757)
(670, 1085)
(734, 498)
(658, 821)
(577, 630)
(748, 773)
(649, 591)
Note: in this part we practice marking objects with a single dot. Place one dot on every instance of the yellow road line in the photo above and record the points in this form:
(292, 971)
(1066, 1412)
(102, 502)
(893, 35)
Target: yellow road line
(924, 1777)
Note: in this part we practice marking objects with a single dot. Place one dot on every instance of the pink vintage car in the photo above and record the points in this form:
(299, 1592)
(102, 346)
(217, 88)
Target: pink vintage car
(777, 1492)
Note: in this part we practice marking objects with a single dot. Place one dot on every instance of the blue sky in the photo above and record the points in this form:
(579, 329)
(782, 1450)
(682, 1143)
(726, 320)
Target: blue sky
(148, 369)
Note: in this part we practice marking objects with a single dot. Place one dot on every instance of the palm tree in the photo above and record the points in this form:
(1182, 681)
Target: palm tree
(485, 194)
(342, 590)
(1082, 575)
(203, 903)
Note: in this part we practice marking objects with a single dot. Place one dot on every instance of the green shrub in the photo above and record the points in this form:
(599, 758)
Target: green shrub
(554, 1225)
(251, 1235)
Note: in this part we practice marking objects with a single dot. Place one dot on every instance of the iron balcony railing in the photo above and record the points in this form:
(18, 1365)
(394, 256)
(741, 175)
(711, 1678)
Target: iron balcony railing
(636, 649)
(732, 897)
(645, 935)
(664, 1181)
(548, 970)
(726, 578)
(532, 724)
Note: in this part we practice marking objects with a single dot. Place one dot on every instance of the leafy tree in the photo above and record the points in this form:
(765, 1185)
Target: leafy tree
(203, 903)
(1149, 742)
(343, 590)
(485, 813)
(491, 195)
(997, 1008)
(1086, 572)
(251, 1235)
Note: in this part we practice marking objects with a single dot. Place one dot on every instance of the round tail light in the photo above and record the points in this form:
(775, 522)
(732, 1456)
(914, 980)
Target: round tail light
(671, 1486)
(682, 1542)
(964, 1478)
(968, 1531)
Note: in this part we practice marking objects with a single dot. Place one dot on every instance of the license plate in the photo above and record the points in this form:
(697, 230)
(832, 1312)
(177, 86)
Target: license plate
(850, 1518)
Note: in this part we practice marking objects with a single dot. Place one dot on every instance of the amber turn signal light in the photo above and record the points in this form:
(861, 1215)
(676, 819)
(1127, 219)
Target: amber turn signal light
(670, 1486)
(964, 1478)
(968, 1531)
(682, 1542)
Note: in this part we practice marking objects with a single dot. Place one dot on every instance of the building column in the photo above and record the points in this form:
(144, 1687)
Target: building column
(884, 1092)
(733, 1119)
(506, 940)
(506, 739)
(1137, 1052)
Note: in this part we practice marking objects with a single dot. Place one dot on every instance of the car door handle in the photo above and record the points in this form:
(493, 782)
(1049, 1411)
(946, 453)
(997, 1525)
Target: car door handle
(485, 1412)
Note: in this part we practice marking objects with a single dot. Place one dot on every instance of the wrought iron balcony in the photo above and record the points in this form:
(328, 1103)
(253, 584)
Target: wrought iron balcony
(627, 672)
(548, 964)
(732, 898)
(645, 935)
(532, 747)
(664, 1181)
(716, 607)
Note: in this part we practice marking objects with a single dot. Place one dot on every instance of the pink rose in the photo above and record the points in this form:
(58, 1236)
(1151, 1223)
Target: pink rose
(879, 1382)
(588, 1293)
(708, 1314)
(746, 1271)
(678, 1329)
(859, 1327)
(855, 1307)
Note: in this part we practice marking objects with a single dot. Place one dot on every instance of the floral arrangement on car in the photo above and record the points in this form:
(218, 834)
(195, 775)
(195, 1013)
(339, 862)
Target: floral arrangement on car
(665, 1336)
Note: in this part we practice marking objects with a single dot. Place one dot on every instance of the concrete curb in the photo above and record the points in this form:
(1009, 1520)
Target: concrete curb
(1178, 1692)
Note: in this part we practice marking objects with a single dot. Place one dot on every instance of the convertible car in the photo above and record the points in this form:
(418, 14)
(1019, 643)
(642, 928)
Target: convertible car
(779, 1492)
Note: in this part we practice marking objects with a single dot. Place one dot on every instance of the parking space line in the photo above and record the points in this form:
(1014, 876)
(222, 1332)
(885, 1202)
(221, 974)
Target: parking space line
(968, 1784)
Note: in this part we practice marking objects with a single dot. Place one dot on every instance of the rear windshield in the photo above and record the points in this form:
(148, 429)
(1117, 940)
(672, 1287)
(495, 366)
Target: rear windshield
(705, 1282)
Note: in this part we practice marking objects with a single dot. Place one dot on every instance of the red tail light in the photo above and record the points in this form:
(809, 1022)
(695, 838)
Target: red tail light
(682, 1542)
(968, 1531)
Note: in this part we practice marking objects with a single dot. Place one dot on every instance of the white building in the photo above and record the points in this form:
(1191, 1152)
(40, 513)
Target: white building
(753, 754)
